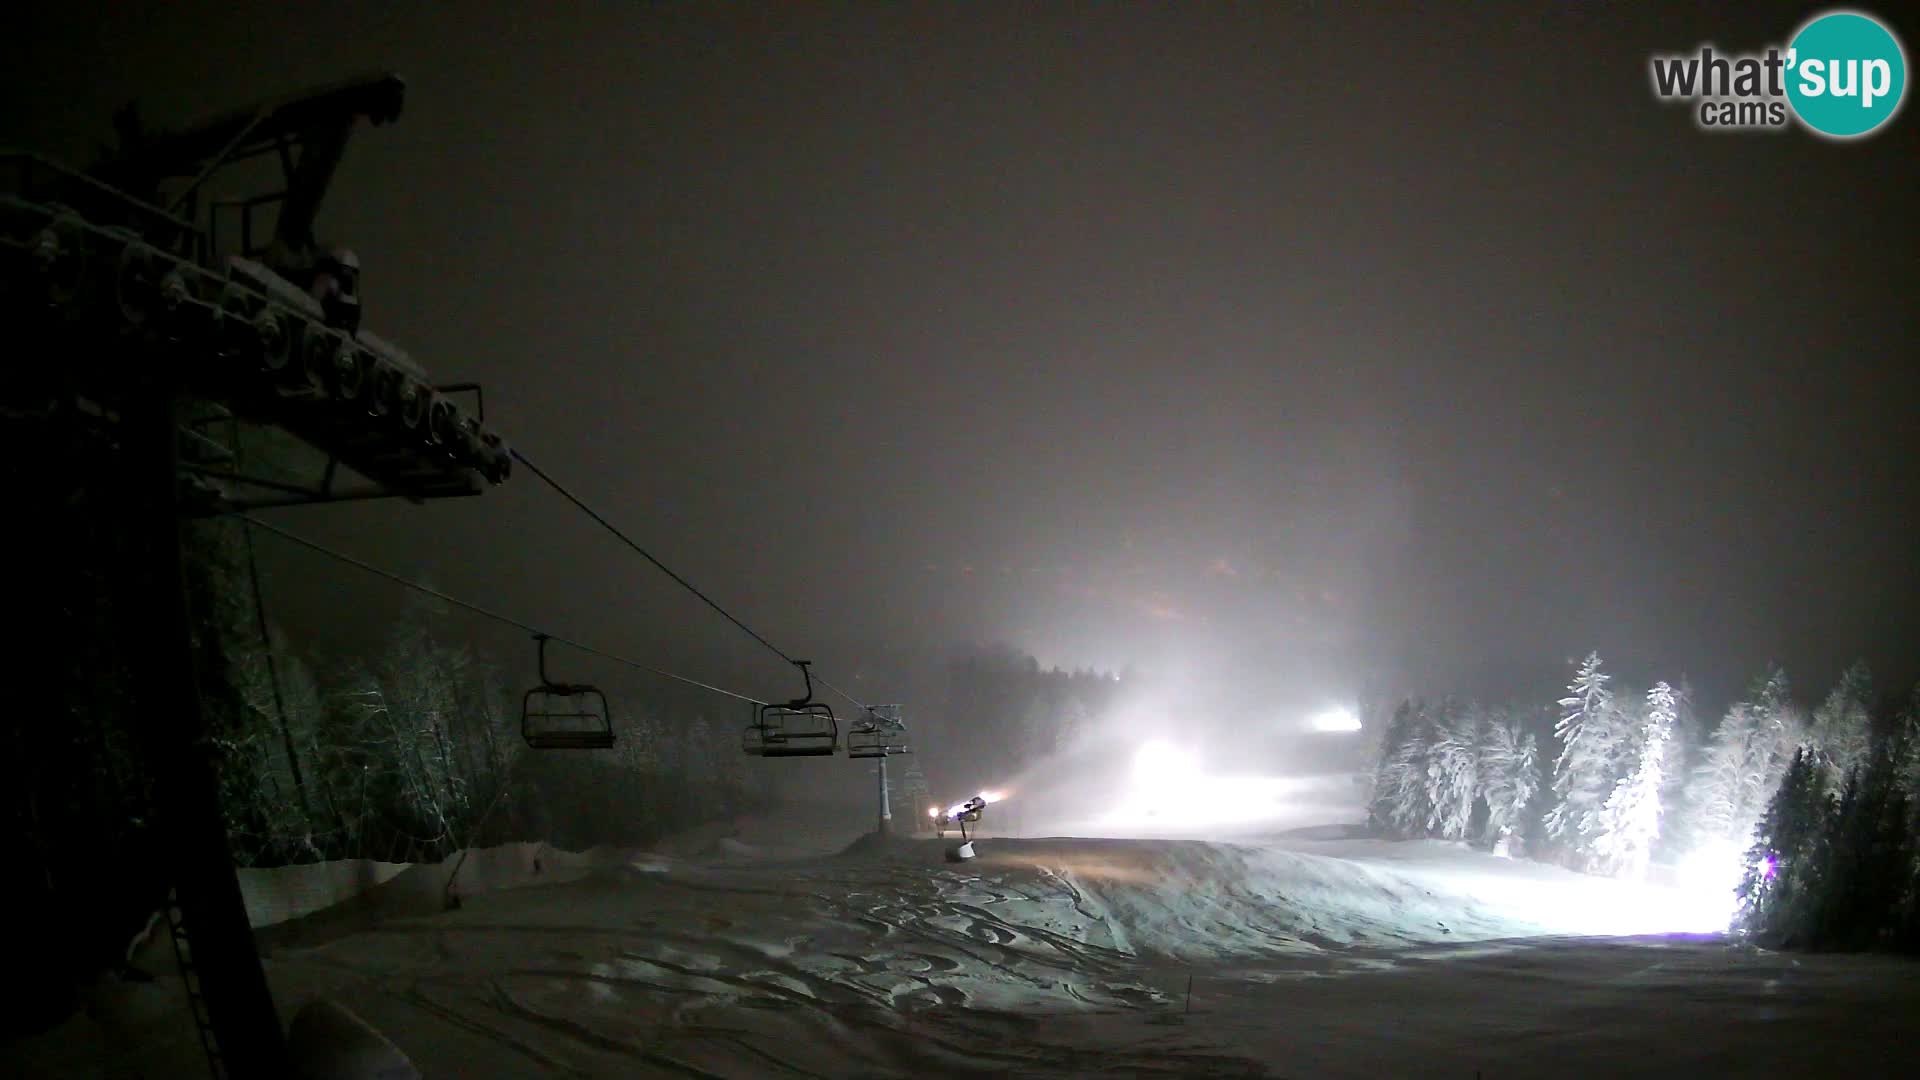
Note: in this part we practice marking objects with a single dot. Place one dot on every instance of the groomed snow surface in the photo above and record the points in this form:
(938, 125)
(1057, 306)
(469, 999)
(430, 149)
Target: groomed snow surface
(784, 951)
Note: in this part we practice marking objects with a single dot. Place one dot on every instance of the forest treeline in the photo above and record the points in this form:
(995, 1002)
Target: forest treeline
(1004, 711)
(412, 748)
(406, 750)
(1810, 818)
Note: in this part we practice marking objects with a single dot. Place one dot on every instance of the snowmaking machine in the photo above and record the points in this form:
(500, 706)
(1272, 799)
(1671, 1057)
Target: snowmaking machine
(963, 814)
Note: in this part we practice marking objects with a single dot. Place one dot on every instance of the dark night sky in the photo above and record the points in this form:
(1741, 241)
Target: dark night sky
(1299, 349)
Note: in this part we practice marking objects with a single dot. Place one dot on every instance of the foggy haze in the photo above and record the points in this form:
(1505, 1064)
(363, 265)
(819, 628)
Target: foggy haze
(1298, 354)
(1002, 529)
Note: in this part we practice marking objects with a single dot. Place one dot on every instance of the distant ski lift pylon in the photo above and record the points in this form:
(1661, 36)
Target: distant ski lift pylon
(564, 716)
(802, 727)
(878, 733)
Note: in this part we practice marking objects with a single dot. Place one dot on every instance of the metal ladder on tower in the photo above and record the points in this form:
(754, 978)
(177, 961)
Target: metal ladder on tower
(189, 978)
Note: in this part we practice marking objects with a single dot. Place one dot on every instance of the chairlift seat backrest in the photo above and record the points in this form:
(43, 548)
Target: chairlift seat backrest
(877, 733)
(873, 742)
(565, 716)
(792, 730)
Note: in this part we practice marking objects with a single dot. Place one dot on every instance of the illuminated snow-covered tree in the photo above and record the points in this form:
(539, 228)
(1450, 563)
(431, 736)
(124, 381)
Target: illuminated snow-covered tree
(1839, 733)
(1400, 805)
(1452, 771)
(1714, 792)
(1629, 822)
(1682, 750)
(1781, 727)
(1743, 764)
(1583, 773)
(1509, 779)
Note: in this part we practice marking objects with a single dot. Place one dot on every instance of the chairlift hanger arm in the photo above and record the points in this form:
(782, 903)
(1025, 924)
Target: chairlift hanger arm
(541, 639)
(806, 698)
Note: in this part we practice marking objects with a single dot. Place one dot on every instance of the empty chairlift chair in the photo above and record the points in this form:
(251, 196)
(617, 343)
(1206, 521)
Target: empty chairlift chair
(877, 734)
(802, 727)
(564, 716)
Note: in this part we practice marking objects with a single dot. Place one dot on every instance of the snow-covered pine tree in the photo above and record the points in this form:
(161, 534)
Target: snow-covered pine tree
(1780, 728)
(1840, 732)
(1745, 760)
(1682, 750)
(1629, 823)
(1870, 847)
(1779, 889)
(1583, 773)
(1452, 771)
(1713, 797)
(1509, 779)
(1399, 807)
(1382, 781)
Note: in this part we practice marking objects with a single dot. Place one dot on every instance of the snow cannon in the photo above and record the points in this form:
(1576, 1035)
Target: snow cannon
(963, 815)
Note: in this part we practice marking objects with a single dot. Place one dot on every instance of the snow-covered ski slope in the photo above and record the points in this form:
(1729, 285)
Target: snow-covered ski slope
(1055, 957)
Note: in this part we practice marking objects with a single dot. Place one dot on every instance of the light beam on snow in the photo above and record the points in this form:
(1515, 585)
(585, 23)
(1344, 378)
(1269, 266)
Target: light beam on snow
(1168, 789)
(1707, 878)
(1539, 899)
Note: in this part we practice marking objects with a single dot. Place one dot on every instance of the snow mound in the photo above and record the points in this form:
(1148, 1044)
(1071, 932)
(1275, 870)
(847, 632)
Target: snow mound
(888, 845)
(1192, 900)
(732, 848)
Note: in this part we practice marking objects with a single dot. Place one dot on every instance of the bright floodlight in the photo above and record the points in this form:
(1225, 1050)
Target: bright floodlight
(1336, 719)
(1159, 764)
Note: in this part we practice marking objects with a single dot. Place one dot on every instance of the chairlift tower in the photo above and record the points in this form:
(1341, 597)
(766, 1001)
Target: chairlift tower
(879, 734)
(137, 331)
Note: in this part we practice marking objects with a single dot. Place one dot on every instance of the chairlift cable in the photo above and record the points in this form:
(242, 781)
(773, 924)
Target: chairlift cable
(562, 490)
(854, 701)
(647, 555)
(494, 615)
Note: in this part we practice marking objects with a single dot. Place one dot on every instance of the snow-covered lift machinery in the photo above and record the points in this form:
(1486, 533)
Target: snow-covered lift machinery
(878, 733)
(152, 346)
(564, 716)
(802, 727)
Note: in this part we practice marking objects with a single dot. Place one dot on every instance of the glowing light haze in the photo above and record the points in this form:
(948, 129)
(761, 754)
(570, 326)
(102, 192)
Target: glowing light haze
(1339, 718)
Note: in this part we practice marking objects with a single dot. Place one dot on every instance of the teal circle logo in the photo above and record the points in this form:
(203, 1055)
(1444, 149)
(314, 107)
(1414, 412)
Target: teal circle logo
(1846, 74)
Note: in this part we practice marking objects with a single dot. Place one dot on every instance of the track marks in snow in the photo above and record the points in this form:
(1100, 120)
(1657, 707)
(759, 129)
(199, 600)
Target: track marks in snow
(882, 966)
